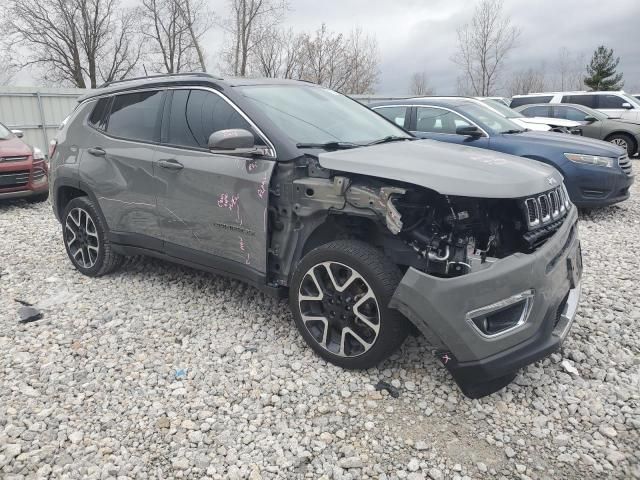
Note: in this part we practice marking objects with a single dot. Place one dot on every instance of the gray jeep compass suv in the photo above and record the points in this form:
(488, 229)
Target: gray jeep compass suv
(304, 192)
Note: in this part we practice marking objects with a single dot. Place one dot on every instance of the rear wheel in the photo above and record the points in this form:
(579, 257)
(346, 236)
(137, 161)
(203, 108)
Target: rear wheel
(85, 239)
(625, 141)
(339, 296)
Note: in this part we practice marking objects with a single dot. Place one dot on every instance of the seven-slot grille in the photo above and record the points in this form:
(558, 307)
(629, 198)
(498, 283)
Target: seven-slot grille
(14, 179)
(547, 207)
(625, 164)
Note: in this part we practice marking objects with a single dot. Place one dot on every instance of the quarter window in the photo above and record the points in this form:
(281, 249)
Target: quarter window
(196, 114)
(98, 116)
(586, 100)
(136, 116)
(395, 114)
(437, 120)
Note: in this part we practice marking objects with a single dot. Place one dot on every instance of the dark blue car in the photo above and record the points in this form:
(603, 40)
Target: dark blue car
(596, 173)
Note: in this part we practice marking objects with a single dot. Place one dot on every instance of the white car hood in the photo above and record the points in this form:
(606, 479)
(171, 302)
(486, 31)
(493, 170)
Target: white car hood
(558, 122)
(536, 126)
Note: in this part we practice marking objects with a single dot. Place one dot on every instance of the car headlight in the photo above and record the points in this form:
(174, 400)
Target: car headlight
(591, 159)
(37, 154)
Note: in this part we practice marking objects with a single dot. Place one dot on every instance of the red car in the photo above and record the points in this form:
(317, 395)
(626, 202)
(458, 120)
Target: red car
(23, 170)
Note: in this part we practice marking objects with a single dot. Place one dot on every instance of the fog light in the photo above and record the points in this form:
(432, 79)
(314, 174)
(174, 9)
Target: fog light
(503, 316)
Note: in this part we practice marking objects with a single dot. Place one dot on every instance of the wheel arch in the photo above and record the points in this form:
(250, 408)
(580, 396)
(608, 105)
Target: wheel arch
(629, 135)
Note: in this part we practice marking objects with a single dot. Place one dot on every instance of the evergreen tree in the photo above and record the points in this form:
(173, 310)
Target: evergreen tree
(602, 71)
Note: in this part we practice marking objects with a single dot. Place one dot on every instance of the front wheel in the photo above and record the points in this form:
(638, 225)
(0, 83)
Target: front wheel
(339, 296)
(85, 239)
(624, 141)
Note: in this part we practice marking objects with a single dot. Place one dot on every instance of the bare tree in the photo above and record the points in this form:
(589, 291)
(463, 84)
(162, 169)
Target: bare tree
(529, 80)
(419, 85)
(279, 54)
(79, 42)
(198, 19)
(570, 68)
(362, 63)
(483, 46)
(251, 23)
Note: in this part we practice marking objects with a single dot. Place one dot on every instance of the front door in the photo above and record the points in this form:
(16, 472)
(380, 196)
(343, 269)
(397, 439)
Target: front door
(212, 207)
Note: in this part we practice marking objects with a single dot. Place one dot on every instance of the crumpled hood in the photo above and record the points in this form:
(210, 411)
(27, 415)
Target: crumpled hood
(447, 168)
(566, 143)
(560, 122)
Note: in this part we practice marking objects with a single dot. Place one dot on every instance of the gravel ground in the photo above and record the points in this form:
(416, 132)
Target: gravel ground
(159, 371)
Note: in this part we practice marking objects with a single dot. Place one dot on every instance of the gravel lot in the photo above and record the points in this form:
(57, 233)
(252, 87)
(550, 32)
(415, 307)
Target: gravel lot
(159, 371)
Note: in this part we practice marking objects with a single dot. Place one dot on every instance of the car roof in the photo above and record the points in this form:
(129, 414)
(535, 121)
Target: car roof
(186, 79)
(432, 100)
(575, 92)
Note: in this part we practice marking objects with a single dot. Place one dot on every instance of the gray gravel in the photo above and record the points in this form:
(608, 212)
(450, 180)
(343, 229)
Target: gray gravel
(159, 371)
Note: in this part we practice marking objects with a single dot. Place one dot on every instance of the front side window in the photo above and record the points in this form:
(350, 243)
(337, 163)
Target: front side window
(537, 111)
(438, 120)
(136, 116)
(570, 113)
(309, 114)
(395, 114)
(586, 100)
(611, 101)
(196, 114)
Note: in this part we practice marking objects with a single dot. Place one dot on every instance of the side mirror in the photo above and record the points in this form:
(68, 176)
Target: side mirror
(469, 131)
(627, 106)
(589, 119)
(233, 141)
(18, 133)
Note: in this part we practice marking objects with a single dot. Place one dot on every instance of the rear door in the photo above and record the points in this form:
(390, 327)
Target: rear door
(212, 207)
(117, 164)
(441, 124)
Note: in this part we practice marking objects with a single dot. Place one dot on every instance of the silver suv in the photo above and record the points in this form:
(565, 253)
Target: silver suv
(305, 193)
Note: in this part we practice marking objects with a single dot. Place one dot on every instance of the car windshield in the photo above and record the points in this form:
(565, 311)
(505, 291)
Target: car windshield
(313, 115)
(488, 119)
(501, 108)
(5, 133)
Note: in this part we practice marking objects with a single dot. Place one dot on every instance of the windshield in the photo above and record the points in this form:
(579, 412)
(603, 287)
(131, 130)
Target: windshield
(318, 115)
(501, 108)
(488, 119)
(5, 133)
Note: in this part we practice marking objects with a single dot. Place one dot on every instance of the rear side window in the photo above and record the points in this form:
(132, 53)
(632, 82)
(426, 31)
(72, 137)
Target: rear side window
(395, 114)
(586, 100)
(196, 114)
(516, 102)
(136, 116)
(537, 111)
(98, 117)
(610, 101)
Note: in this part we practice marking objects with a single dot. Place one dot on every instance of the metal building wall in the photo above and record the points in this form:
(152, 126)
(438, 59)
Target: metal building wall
(37, 111)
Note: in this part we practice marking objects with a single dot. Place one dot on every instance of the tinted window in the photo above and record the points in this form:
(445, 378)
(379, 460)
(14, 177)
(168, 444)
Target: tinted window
(610, 101)
(537, 111)
(5, 133)
(436, 120)
(570, 113)
(196, 114)
(586, 100)
(395, 114)
(98, 116)
(136, 116)
(516, 102)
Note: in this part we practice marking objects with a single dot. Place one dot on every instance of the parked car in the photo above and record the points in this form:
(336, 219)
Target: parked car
(304, 192)
(23, 169)
(536, 123)
(614, 104)
(595, 173)
(594, 124)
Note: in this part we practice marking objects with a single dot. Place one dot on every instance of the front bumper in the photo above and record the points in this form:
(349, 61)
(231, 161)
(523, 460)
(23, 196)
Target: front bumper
(480, 364)
(597, 186)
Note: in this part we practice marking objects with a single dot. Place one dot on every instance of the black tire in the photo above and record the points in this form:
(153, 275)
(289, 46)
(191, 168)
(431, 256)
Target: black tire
(375, 272)
(106, 260)
(41, 197)
(629, 142)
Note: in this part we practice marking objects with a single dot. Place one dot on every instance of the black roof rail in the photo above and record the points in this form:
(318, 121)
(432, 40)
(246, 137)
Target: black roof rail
(162, 75)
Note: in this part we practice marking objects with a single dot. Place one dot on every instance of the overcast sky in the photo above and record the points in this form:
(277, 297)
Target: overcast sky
(417, 35)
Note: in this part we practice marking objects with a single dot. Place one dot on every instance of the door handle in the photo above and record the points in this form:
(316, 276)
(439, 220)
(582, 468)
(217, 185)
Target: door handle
(97, 152)
(170, 164)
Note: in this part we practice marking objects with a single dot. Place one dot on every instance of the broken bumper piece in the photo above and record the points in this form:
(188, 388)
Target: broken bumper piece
(498, 318)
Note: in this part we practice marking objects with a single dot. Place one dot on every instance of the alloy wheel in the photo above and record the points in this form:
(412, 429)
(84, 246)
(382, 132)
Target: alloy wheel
(81, 237)
(339, 309)
(620, 142)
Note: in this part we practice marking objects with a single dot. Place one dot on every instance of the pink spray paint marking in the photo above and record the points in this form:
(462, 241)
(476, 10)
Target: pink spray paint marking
(262, 189)
(229, 201)
(241, 244)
